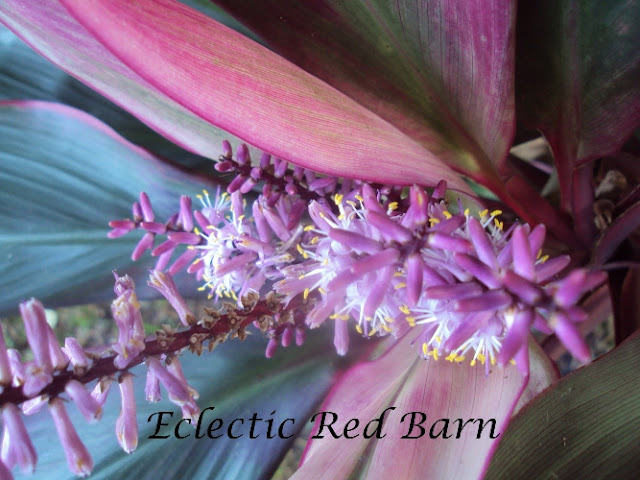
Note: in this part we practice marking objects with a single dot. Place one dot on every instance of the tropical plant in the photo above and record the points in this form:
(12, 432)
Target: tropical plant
(439, 178)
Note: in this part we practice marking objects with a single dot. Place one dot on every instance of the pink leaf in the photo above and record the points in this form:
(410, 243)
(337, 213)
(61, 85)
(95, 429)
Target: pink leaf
(234, 83)
(440, 71)
(440, 390)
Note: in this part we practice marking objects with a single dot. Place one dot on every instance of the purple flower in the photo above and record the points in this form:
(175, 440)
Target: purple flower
(127, 424)
(163, 282)
(16, 445)
(78, 458)
(126, 312)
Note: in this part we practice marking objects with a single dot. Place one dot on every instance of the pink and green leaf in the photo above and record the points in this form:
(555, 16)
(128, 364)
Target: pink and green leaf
(442, 72)
(440, 390)
(26, 75)
(50, 30)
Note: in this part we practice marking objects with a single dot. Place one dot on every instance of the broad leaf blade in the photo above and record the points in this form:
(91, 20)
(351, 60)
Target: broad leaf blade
(64, 176)
(240, 86)
(589, 426)
(238, 381)
(440, 390)
(440, 71)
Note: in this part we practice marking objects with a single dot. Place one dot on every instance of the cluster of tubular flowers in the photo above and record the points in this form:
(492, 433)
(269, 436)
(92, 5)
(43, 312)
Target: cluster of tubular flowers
(307, 251)
(390, 260)
(60, 373)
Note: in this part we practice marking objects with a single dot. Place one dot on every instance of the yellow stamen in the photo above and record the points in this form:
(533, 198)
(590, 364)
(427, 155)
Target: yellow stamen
(483, 213)
(433, 221)
(400, 285)
(447, 214)
(302, 252)
(393, 206)
(496, 212)
(305, 294)
(373, 332)
(404, 309)
(424, 349)
(359, 329)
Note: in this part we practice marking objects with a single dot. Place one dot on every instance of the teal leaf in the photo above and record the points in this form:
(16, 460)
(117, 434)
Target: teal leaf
(25, 75)
(584, 426)
(64, 176)
(238, 381)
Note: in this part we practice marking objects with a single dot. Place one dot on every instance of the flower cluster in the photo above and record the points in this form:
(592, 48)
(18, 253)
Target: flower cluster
(390, 259)
(85, 377)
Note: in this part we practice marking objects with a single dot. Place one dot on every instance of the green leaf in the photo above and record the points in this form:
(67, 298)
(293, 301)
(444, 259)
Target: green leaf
(64, 176)
(238, 381)
(585, 426)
